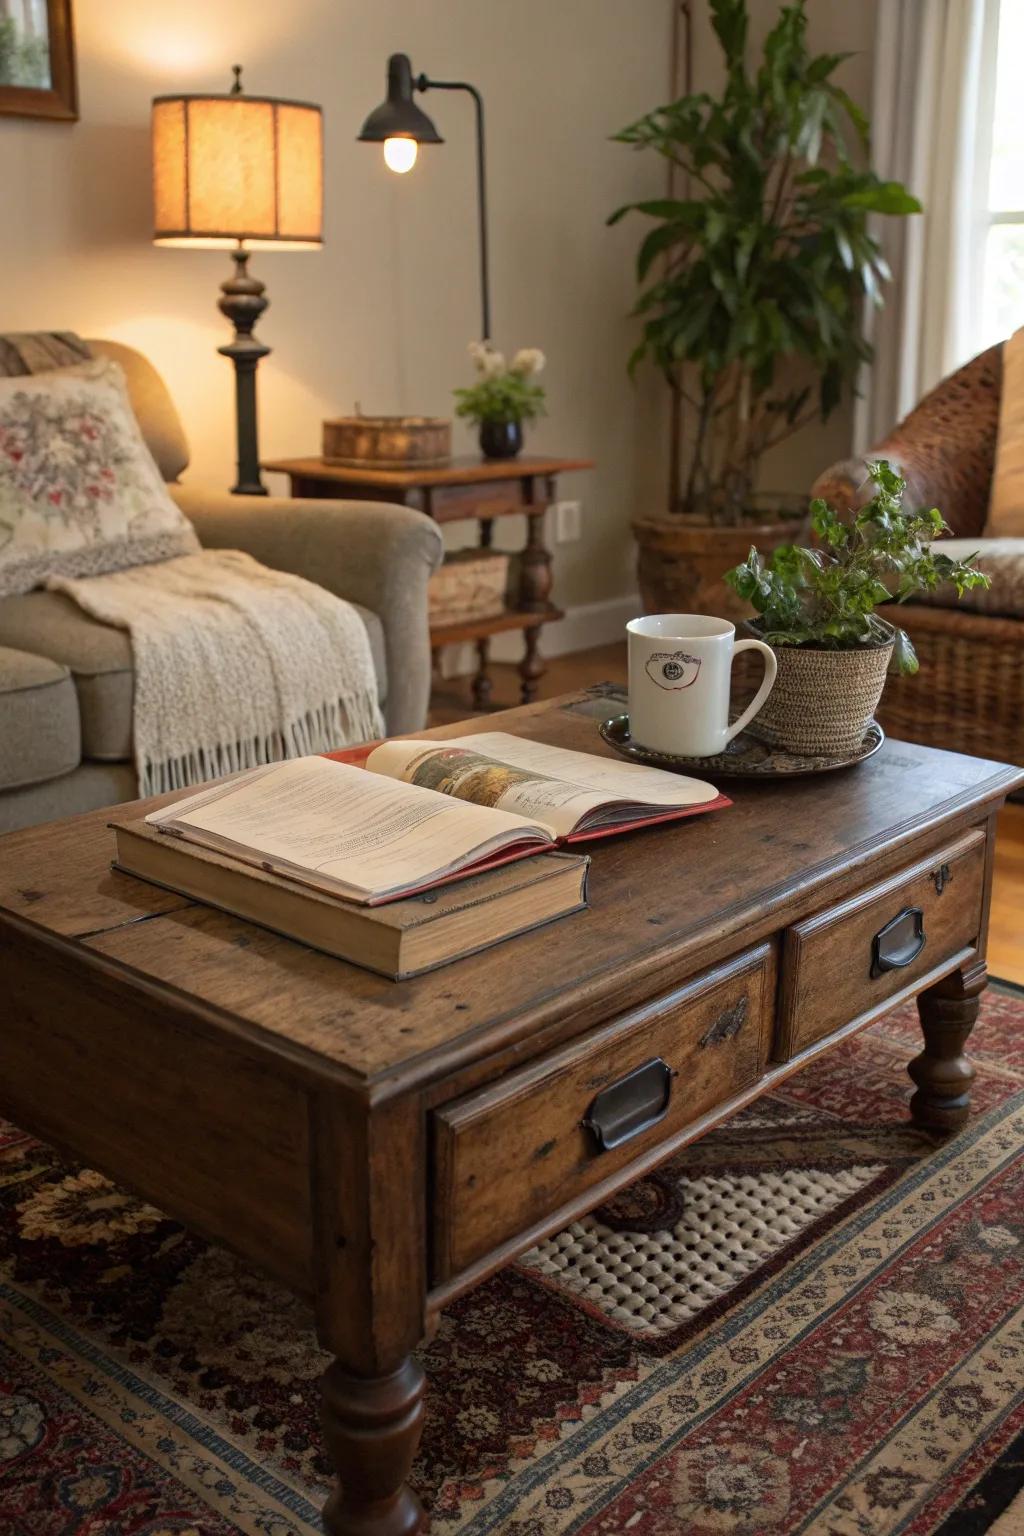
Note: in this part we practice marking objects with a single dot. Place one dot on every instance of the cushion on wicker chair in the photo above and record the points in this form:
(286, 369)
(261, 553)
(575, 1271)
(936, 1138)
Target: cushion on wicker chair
(1002, 560)
(969, 693)
(944, 449)
(1006, 505)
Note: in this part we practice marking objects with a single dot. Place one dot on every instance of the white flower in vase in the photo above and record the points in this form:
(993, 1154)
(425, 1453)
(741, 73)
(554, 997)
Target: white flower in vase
(528, 360)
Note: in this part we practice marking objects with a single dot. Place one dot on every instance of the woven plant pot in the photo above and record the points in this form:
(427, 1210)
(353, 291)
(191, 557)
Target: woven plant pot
(682, 558)
(823, 701)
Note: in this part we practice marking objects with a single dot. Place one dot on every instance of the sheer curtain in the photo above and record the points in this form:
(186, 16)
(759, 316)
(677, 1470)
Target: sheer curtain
(934, 82)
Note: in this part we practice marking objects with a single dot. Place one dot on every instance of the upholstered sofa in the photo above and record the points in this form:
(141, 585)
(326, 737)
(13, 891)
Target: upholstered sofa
(66, 680)
(969, 693)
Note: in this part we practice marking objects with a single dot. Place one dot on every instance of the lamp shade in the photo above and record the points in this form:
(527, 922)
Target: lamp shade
(398, 116)
(237, 168)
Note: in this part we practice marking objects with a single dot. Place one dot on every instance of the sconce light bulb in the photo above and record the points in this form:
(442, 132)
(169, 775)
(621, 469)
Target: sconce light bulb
(400, 155)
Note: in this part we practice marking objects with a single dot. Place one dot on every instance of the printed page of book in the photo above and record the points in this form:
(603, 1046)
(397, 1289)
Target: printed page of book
(341, 829)
(567, 790)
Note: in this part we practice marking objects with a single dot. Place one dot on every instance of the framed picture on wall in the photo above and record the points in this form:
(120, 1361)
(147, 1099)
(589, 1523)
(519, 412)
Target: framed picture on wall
(37, 59)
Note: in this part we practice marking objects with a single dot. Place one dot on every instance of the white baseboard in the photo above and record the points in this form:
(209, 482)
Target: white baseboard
(583, 627)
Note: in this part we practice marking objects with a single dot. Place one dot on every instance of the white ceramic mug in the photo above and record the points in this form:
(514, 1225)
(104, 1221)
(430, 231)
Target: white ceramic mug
(680, 671)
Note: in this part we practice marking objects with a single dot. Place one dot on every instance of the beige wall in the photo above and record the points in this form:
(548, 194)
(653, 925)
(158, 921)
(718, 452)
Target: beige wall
(383, 314)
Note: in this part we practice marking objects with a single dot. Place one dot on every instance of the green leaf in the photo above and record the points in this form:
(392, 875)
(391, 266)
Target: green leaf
(659, 208)
(844, 248)
(655, 242)
(904, 657)
(820, 68)
(857, 117)
(830, 389)
(882, 197)
(787, 561)
(729, 20)
(808, 142)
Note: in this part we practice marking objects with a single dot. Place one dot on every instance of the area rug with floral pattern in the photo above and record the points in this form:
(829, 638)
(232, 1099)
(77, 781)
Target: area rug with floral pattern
(811, 1321)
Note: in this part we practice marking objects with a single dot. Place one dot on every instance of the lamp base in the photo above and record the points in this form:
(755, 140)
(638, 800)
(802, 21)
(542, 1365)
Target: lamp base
(243, 300)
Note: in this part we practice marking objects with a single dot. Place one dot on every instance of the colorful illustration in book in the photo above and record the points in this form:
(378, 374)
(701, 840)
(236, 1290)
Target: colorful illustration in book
(467, 775)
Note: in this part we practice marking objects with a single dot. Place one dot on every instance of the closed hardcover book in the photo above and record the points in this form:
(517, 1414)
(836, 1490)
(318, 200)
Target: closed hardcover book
(399, 939)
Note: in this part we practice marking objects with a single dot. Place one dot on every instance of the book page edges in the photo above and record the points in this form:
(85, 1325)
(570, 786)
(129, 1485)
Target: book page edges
(614, 830)
(483, 883)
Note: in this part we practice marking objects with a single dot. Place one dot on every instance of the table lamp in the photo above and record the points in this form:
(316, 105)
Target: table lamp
(239, 173)
(401, 126)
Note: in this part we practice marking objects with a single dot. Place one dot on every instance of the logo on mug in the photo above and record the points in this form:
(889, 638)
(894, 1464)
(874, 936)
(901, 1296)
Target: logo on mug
(673, 669)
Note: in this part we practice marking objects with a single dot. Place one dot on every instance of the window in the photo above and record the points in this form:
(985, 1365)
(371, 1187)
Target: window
(1002, 306)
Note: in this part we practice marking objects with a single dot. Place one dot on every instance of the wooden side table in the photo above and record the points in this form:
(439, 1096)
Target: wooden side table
(470, 487)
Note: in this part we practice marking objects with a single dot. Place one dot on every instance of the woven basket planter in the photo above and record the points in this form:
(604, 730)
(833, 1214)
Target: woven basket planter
(823, 701)
(682, 559)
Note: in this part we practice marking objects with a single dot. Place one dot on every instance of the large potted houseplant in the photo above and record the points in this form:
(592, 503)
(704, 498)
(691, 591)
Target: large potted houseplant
(752, 289)
(817, 606)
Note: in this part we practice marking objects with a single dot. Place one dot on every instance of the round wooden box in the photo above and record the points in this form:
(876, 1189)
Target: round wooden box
(387, 442)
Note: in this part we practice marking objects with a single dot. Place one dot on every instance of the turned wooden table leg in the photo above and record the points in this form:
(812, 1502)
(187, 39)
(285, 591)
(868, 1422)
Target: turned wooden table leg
(372, 1427)
(943, 1074)
(531, 668)
(535, 577)
(370, 1272)
(481, 685)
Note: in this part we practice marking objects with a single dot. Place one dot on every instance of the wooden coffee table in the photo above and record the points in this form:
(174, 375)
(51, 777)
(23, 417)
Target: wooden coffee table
(381, 1148)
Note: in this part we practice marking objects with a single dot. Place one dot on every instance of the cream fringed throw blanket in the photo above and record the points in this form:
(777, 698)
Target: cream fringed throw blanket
(235, 665)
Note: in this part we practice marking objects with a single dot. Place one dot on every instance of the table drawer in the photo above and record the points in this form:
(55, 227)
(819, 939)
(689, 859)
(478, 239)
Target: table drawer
(515, 1152)
(496, 498)
(843, 962)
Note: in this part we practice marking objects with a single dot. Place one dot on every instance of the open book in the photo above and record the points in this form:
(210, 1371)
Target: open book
(419, 813)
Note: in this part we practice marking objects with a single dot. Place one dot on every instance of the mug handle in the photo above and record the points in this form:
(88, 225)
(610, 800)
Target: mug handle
(771, 668)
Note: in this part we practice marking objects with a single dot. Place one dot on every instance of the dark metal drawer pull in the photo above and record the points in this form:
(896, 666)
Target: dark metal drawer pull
(633, 1104)
(899, 943)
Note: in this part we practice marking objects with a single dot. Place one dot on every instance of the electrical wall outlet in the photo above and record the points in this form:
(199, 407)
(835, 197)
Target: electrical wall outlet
(568, 521)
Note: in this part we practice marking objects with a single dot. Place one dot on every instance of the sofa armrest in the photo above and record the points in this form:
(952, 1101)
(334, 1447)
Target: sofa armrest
(945, 449)
(371, 553)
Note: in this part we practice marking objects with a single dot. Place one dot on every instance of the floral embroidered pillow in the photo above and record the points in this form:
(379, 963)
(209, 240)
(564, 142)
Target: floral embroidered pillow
(79, 491)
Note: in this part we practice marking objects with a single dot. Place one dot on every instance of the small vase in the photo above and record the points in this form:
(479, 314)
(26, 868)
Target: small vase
(501, 439)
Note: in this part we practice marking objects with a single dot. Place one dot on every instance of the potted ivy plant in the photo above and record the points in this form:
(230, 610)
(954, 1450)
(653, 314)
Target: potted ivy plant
(817, 610)
(504, 396)
(752, 287)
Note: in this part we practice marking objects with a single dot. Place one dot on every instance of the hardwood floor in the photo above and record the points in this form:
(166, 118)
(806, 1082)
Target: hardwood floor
(607, 663)
(1006, 926)
(603, 664)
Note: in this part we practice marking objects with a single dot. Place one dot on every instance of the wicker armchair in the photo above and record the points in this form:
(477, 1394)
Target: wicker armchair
(969, 693)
